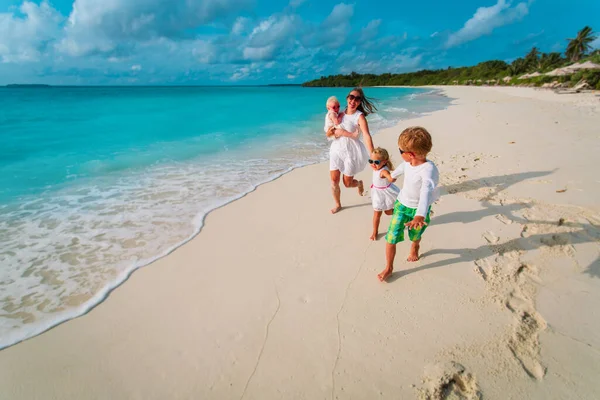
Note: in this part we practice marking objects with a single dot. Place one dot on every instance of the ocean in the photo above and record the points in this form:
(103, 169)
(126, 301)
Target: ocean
(96, 182)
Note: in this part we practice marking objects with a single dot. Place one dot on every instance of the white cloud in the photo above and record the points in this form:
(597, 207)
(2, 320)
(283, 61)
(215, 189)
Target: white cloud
(403, 62)
(269, 37)
(273, 30)
(370, 40)
(370, 31)
(241, 73)
(109, 25)
(111, 41)
(340, 14)
(204, 51)
(486, 19)
(23, 39)
(596, 43)
(336, 26)
(240, 25)
(259, 53)
(296, 3)
(434, 34)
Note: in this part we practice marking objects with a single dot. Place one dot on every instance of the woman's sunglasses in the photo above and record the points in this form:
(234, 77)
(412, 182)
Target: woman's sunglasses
(376, 162)
(353, 97)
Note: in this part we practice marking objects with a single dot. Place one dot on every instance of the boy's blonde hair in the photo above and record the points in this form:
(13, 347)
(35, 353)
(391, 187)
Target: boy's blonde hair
(385, 156)
(415, 139)
(332, 100)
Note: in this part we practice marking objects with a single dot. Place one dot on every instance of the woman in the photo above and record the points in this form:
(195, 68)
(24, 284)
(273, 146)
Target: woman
(348, 155)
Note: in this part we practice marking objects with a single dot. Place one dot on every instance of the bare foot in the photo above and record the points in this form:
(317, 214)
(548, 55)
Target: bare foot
(413, 255)
(373, 236)
(361, 188)
(383, 275)
(336, 209)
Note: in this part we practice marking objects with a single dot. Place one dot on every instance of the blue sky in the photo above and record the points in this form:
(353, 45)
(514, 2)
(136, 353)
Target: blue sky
(120, 42)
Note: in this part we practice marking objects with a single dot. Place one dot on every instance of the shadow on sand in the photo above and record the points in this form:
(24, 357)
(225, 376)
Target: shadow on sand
(584, 233)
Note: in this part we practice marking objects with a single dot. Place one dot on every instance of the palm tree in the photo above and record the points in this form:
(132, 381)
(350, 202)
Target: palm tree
(550, 60)
(532, 59)
(580, 45)
(517, 66)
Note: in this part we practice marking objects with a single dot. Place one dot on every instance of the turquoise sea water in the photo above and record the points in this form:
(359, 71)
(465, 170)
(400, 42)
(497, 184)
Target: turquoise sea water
(98, 181)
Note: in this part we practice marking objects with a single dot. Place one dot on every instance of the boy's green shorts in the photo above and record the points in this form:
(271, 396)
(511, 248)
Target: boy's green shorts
(402, 215)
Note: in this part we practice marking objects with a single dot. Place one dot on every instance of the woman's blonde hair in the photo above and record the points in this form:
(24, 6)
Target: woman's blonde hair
(385, 156)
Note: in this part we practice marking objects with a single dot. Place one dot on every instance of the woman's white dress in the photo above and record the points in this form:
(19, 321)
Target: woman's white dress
(383, 193)
(350, 156)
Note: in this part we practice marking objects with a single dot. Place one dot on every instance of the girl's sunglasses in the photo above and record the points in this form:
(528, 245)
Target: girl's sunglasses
(353, 97)
(376, 162)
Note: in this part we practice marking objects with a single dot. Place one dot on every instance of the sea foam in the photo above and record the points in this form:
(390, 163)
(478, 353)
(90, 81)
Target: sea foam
(65, 247)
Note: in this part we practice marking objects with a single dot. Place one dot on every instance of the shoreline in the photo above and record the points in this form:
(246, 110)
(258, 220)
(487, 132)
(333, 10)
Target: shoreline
(121, 278)
(287, 305)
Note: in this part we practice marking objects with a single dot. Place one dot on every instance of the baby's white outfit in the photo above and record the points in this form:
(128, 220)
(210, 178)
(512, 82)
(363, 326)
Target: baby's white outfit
(329, 118)
(348, 155)
(383, 192)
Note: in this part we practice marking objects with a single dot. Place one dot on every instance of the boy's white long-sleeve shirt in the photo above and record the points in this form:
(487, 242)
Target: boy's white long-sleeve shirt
(419, 188)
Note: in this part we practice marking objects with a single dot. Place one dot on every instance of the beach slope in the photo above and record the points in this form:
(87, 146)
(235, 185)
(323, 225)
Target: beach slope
(276, 298)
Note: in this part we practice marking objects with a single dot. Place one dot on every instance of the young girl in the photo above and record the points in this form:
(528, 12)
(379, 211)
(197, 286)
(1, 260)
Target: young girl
(383, 191)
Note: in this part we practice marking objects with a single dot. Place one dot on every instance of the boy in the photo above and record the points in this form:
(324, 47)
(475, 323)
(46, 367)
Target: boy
(412, 207)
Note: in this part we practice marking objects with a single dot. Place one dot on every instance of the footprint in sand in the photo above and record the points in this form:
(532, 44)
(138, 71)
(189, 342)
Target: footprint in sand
(504, 219)
(555, 240)
(480, 268)
(525, 344)
(449, 381)
(490, 237)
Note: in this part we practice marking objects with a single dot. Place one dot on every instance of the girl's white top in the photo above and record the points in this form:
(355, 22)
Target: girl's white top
(420, 185)
(383, 192)
(347, 155)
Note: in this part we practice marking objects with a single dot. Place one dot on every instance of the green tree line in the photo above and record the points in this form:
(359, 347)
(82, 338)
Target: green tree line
(494, 71)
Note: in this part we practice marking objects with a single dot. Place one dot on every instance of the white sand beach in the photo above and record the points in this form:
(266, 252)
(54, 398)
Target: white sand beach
(278, 299)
